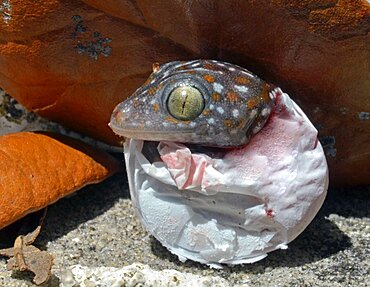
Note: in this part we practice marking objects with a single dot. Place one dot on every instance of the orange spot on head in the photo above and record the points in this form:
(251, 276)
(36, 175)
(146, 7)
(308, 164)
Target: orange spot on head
(160, 86)
(136, 103)
(206, 112)
(265, 93)
(175, 121)
(252, 103)
(152, 91)
(156, 107)
(228, 123)
(242, 80)
(151, 77)
(118, 117)
(231, 96)
(171, 120)
(241, 124)
(216, 97)
(209, 78)
(156, 67)
(208, 66)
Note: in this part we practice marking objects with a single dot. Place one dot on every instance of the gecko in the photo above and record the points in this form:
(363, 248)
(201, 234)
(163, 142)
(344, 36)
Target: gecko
(234, 151)
(204, 102)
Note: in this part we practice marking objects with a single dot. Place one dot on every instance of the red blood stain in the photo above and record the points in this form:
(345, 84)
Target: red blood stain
(270, 213)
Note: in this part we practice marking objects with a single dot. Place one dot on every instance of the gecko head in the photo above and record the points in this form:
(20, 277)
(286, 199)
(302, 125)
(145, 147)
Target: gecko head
(204, 102)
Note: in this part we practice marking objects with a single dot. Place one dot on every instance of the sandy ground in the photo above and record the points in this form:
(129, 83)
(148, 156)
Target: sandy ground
(97, 227)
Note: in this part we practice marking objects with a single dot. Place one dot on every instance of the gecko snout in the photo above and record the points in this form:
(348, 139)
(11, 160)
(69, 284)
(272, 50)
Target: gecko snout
(118, 118)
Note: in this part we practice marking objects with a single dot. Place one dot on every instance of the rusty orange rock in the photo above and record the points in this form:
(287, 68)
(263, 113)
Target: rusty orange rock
(38, 169)
(73, 61)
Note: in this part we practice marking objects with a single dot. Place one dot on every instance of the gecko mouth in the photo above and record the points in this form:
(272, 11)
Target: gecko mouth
(152, 135)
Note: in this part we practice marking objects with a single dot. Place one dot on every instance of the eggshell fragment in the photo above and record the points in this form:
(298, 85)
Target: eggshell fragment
(37, 169)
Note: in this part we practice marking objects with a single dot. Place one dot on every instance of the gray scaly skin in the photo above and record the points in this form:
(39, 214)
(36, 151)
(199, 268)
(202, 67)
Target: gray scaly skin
(202, 102)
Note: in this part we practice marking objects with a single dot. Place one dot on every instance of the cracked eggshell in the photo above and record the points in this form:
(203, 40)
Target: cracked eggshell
(249, 202)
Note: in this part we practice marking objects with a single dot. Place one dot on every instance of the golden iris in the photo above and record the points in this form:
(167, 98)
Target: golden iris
(185, 103)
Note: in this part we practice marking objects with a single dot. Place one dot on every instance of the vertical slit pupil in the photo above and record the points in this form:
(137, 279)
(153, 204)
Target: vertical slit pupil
(185, 103)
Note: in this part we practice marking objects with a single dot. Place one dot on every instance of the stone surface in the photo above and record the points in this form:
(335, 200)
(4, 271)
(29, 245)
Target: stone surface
(15, 118)
(134, 275)
(80, 58)
(97, 227)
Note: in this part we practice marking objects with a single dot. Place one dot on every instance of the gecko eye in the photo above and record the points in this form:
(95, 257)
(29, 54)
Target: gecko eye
(185, 103)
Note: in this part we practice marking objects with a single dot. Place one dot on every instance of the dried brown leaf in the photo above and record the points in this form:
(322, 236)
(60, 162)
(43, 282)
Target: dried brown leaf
(23, 256)
(28, 257)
